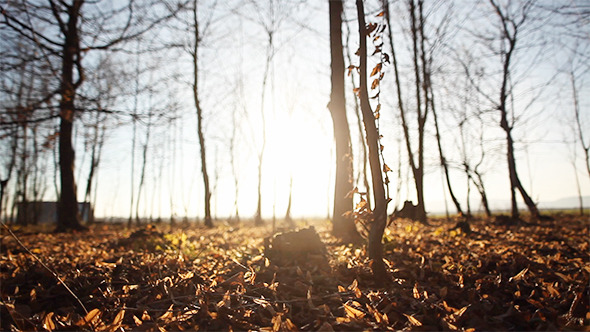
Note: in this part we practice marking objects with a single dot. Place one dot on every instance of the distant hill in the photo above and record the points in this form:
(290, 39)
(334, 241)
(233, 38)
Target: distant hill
(566, 203)
(438, 207)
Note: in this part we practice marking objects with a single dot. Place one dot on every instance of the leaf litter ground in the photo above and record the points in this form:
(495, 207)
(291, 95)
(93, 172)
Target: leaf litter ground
(532, 277)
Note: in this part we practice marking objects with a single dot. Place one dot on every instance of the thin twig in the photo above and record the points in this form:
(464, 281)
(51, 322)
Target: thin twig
(48, 269)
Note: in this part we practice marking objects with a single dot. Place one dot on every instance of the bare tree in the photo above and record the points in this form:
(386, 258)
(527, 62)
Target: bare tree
(357, 111)
(63, 40)
(422, 94)
(195, 87)
(584, 143)
(510, 26)
(377, 226)
(343, 225)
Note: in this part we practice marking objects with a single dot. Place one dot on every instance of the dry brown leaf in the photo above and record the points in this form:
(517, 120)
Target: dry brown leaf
(289, 326)
(92, 318)
(48, 322)
(519, 275)
(353, 312)
(276, 322)
(415, 291)
(168, 315)
(117, 321)
(137, 321)
(413, 320)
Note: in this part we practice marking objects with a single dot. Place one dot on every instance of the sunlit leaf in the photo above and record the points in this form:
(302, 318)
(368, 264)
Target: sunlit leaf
(375, 83)
(415, 291)
(552, 290)
(360, 205)
(563, 277)
(117, 321)
(386, 168)
(461, 311)
(137, 321)
(519, 275)
(342, 320)
(376, 70)
(48, 322)
(413, 320)
(92, 318)
(353, 312)
(370, 28)
(276, 322)
(168, 315)
(289, 326)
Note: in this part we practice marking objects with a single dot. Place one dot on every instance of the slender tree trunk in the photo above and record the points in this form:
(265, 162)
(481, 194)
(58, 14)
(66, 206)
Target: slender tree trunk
(195, 55)
(482, 191)
(443, 161)
(134, 118)
(234, 169)
(380, 210)
(68, 216)
(510, 37)
(288, 218)
(343, 226)
(94, 162)
(143, 167)
(417, 169)
(357, 112)
(269, 58)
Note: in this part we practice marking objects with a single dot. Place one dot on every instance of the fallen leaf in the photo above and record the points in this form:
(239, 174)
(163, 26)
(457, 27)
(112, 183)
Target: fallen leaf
(48, 322)
(353, 312)
(413, 320)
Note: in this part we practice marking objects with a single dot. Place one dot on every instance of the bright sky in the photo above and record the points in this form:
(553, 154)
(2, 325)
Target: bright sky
(299, 135)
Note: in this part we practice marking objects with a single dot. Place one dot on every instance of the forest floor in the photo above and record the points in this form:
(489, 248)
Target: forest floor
(162, 278)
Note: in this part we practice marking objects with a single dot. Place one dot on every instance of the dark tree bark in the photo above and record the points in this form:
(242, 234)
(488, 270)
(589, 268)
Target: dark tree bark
(443, 160)
(377, 226)
(97, 145)
(68, 216)
(357, 112)
(417, 167)
(208, 220)
(343, 225)
(509, 32)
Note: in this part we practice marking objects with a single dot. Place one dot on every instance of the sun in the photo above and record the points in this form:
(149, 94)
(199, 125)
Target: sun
(299, 158)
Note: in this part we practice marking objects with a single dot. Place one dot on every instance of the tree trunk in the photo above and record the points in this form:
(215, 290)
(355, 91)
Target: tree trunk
(143, 167)
(380, 210)
(443, 161)
(514, 180)
(288, 219)
(208, 221)
(343, 226)
(68, 216)
(417, 169)
(357, 112)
